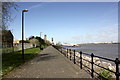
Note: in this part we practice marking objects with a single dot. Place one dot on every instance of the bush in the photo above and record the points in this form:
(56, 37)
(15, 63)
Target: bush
(106, 74)
(7, 50)
(58, 44)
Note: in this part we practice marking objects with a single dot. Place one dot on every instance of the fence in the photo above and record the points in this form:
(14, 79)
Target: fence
(71, 54)
(17, 47)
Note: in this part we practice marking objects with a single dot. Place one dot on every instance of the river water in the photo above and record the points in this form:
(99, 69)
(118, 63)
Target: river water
(105, 50)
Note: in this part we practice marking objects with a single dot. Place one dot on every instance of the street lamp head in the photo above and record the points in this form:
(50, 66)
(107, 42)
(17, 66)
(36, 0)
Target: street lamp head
(25, 10)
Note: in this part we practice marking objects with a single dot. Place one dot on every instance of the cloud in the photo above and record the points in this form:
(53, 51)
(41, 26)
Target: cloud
(105, 34)
(108, 34)
(35, 6)
(38, 5)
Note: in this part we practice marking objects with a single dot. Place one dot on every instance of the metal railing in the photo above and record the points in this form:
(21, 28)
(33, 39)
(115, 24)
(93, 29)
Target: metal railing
(71, 54)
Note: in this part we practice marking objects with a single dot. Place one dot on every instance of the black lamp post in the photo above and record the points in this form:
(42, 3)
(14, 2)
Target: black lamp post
(40, 34)
(25, 10)
(40, 40)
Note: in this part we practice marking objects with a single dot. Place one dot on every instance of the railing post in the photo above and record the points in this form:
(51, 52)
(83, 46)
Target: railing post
(81, 59)
(92, 69)
(74, 57)
(67, 53)
(61, 49)
(117, 68)
(70, 54)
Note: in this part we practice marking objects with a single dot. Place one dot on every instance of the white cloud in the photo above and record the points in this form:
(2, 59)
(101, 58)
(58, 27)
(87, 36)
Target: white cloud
(105, 34)
(38, 5)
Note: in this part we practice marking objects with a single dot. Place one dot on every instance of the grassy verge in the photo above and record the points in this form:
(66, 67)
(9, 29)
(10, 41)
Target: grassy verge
(12, 60)
(106, 74)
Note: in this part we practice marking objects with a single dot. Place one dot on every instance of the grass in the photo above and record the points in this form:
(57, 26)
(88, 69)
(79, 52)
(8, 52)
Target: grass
(14, 59)
(8, 50)
(106, 74)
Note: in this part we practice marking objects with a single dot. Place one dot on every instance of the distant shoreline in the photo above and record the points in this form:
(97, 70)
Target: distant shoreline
(79, 45)
(99, 43)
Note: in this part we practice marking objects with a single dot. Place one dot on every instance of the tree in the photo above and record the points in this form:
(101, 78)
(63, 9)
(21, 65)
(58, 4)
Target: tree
(42, 42)
(58, 44)
(48, 42)
(31, 37)
(35, 42)
(6, 13)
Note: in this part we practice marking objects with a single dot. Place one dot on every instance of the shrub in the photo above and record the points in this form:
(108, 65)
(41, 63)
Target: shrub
(106, 74)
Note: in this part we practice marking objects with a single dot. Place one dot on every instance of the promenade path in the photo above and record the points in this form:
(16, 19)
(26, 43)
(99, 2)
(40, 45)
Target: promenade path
(49, 63)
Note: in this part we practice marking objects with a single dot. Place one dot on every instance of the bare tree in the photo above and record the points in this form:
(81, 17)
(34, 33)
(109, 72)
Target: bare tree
(6, 13)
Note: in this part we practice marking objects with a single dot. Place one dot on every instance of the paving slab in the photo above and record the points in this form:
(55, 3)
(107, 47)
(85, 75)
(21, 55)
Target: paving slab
(49, 63)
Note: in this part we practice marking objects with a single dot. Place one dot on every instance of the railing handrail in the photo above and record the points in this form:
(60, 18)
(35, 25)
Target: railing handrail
(98, 56)
(116, 61)
(104, 58)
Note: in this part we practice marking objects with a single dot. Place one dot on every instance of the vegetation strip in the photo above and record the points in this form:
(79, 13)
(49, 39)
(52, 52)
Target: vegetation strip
(14, 59)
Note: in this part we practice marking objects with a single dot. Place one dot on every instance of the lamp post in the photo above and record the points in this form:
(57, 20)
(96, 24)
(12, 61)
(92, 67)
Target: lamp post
(40, 34)
(52, 42)
(40, 40)
(25, 10)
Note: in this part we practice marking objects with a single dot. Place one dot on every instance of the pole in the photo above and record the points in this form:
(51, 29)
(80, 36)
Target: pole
(74, 57)
(117, 68)
(40, 40)
(52, 41)
(81, 59)
(92, 68)
(70, 54)
(23, 35)
(40, 34)
(67, 53)
(61, 49)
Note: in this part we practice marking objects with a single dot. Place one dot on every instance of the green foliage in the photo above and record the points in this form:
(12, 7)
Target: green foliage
(7, 50)
(12, 60)
(42, 42)
(39, 42)
(106, 74)
(35, 42)
(58, 44)
(48, 42)
(43, 46)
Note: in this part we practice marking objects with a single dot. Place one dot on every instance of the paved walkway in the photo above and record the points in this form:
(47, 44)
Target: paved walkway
(50, 63)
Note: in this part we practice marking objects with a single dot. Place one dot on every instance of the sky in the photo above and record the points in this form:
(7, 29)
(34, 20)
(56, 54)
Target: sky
(68, 22)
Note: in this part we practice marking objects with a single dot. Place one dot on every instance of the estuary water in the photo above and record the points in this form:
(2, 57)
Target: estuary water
(104, 50)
